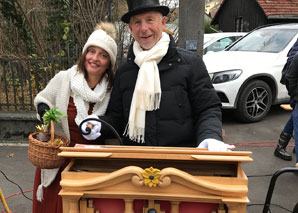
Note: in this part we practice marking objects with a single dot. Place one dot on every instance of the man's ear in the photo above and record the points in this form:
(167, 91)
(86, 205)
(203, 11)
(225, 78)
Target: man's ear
(164, 21)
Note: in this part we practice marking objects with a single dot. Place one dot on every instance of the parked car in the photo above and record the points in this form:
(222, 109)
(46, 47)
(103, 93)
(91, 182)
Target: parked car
(218, 41)
(246, 75)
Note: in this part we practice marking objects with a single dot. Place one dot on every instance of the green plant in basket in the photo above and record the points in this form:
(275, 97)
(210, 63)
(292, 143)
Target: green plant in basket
(44, 153)
(50, 117)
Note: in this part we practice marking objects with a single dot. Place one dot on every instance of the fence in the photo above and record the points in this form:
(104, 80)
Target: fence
(22, 79)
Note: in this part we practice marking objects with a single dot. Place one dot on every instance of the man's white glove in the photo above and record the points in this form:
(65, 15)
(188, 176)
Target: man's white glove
(95, 130)
(215, 145)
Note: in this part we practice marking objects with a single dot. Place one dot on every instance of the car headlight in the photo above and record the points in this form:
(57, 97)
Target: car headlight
(225, 76)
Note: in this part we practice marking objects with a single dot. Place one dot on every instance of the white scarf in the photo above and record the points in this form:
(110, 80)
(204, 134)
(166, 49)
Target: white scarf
(46, 178)
(147, 93)
(83, 95)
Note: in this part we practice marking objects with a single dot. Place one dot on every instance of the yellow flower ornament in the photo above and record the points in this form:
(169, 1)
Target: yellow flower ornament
(151, 176)
(40, 128)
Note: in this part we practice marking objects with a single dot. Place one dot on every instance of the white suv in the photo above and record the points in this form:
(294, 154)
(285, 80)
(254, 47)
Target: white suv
(214, 42)
(246, 75)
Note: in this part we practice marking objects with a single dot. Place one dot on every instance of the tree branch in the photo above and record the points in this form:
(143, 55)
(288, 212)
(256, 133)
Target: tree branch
(31, 28)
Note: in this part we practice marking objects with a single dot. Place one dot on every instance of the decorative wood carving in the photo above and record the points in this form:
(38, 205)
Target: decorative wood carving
(154, 173)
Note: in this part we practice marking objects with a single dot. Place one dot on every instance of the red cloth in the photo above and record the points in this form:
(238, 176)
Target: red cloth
(118, 206)
(52, 202)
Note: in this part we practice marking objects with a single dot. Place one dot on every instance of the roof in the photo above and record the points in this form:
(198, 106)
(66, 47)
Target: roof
(273, 9)
(279, 8)
(214, 9)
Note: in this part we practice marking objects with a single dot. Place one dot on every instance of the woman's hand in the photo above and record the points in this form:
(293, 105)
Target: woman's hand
(90, 128)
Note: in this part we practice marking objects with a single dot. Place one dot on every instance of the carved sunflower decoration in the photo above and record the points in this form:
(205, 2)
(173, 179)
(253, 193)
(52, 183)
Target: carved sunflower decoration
(151, 176)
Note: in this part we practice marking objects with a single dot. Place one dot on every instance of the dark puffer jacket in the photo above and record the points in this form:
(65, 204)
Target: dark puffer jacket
(291, 54)
(189, 110)
(292, 80)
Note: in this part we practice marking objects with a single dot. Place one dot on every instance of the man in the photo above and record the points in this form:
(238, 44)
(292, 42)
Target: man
(287, 133)
(162, 95)
(292, 81)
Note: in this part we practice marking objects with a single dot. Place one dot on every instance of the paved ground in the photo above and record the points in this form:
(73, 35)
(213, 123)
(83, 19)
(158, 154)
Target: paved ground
(15, 165)
(18, 169)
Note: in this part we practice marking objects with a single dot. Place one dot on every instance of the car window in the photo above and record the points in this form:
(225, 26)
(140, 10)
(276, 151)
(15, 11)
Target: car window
(265, 40)
(220, 44)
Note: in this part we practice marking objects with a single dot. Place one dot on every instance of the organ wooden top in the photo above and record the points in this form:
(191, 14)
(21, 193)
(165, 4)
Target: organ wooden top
(184, 174)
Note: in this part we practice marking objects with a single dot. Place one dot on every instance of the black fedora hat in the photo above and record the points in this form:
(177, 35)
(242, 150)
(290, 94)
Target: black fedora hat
(139, 6)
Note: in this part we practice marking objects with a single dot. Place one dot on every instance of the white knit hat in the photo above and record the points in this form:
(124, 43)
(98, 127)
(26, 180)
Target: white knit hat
(101, 39)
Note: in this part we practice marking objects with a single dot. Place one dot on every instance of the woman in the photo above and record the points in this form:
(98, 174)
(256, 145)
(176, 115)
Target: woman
(82, 90)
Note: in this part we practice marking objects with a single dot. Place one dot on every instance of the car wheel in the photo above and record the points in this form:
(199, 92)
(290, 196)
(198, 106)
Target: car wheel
(254, 102)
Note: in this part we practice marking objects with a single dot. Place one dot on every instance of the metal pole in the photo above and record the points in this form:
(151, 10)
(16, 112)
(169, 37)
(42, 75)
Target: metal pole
(272, 185)
(4, 202)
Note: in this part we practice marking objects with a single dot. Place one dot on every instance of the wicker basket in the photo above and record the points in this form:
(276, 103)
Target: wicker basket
(44, 154)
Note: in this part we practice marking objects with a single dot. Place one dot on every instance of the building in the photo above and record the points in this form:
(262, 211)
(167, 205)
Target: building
(246, 15)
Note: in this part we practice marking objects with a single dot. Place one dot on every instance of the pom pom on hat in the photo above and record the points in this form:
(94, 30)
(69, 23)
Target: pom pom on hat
(104, 37)
(109, 28)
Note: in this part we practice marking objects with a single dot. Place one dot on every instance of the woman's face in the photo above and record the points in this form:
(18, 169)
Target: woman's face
(97, 61)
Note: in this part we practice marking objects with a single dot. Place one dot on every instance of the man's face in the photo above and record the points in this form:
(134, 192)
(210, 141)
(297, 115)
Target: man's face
(147, 28)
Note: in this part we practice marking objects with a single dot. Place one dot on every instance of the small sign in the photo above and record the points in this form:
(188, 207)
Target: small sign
(191, 44)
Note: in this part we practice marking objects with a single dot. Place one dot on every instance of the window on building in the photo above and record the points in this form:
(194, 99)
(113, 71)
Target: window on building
(239, 24)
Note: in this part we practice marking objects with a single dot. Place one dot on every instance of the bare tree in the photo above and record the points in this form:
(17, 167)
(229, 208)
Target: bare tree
(46, 20)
